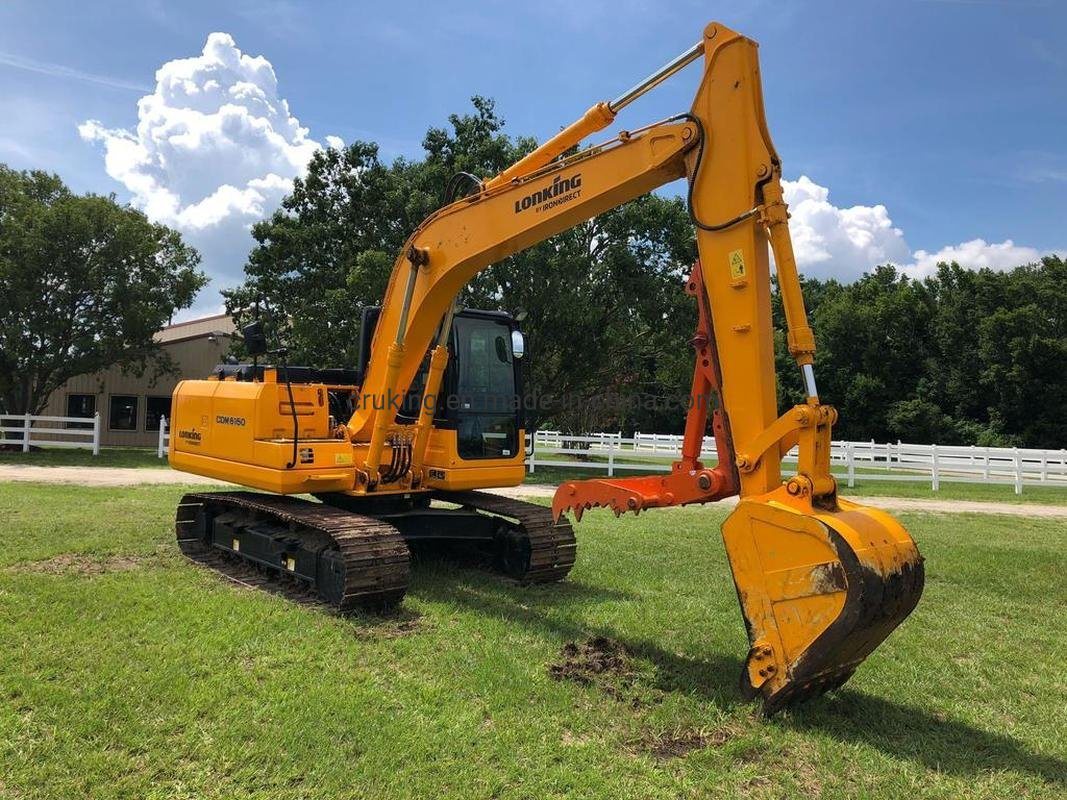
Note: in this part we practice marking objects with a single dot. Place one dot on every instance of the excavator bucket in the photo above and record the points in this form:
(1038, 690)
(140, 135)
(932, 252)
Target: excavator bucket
(819, 590)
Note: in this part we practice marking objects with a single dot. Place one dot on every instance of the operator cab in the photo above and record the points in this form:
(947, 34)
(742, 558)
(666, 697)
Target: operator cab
(481, 392)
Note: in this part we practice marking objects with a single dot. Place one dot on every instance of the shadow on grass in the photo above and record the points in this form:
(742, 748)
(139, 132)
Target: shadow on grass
(946, 745)
(898, 730)
(556, 610)
(449, 564)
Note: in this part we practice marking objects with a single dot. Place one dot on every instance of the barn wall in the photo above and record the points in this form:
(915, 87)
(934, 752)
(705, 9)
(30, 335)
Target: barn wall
(193, 358)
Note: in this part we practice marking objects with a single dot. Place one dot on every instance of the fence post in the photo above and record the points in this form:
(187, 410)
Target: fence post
(611, 456)
(1018, 471)
(532, 463)
(935, 483)
(26, 423)
(96, 433)
(850, 456)
(985, 466)
(162, 433)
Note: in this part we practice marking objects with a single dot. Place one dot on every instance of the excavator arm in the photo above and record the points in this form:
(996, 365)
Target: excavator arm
(821, 581)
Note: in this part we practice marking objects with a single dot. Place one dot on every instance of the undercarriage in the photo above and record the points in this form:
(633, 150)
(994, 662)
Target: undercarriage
(352, 553)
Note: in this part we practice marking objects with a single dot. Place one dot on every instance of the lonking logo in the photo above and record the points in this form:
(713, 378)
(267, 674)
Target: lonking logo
(190, 435)
(562, 190)
(238, 421)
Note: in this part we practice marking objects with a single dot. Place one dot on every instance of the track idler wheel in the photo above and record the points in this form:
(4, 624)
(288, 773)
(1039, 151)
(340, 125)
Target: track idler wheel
(819, 590)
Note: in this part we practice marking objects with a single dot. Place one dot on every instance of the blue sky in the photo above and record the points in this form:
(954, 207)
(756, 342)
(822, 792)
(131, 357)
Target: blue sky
(924, 125)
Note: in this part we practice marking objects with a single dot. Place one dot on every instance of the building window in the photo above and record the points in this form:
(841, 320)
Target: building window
(154, 408)
(122, 415)
(81, 405)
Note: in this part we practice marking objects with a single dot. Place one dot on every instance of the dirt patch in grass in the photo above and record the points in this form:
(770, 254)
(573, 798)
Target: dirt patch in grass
(395, 626)
(73, 564)
(607, 665)
(677, 745)
(597, 661)
(680, 743)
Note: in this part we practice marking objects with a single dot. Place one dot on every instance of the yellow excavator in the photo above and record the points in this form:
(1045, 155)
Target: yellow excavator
(395, 450)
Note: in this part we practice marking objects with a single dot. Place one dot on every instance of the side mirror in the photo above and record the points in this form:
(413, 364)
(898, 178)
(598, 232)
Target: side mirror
(518, 344)
(254, 338)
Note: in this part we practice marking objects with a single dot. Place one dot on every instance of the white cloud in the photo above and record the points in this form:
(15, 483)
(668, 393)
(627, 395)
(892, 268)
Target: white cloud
(215, 150)
(839, 242)
(843, 243)
(975, 254)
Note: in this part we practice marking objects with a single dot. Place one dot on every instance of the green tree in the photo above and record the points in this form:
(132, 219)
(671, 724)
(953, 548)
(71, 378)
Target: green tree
(329, 249)
(86, 284)
(1022, 353)
(962, 357)
(874, 345)
(606, 311)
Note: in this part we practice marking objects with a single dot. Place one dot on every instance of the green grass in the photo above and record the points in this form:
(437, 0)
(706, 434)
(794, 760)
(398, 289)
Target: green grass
(127, 672)
(77, 457)
(990, 492)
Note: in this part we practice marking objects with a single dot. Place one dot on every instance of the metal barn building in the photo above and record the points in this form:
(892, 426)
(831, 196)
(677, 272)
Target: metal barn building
(130, 406)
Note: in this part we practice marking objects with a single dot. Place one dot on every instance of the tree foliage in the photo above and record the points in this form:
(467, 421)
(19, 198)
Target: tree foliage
(602, 298)
(964, 356)
(86, 284)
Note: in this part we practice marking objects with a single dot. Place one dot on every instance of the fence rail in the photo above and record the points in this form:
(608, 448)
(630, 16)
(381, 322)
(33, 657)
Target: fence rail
(44, 431)
(933, 464)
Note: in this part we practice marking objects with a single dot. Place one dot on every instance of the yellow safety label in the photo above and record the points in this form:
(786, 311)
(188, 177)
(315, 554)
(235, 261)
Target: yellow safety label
(737, 264)
(342, 458)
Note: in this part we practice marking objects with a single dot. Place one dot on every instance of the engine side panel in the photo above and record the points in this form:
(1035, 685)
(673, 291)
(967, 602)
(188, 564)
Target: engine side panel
(242, 432)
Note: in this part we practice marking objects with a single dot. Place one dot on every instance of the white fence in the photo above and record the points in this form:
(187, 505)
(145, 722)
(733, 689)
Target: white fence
(38, 431)
(933, 464)
(164, 438)
(653, 452)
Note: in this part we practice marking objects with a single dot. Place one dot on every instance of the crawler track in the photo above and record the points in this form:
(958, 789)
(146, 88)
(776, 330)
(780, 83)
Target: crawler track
(540, 551)
(356, 562)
